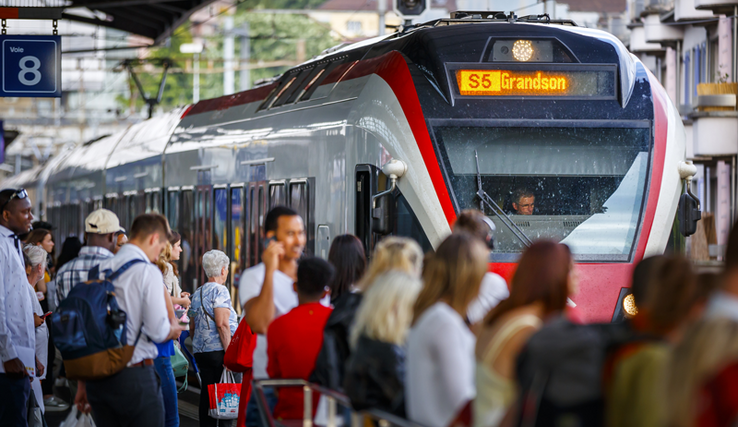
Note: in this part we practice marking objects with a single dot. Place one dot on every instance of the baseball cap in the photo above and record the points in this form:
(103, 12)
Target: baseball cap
(102, 221)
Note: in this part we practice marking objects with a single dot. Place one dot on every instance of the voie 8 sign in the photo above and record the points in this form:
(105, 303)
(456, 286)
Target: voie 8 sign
(31, 66)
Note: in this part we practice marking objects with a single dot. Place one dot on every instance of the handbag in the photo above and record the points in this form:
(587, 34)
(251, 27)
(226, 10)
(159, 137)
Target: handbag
(180, 366)
(224, 397)
(239, 356)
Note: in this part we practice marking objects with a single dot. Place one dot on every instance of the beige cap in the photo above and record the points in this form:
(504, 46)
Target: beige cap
(102, 221)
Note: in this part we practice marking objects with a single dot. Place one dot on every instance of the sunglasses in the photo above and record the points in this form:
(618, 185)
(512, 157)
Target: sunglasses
(20, 194)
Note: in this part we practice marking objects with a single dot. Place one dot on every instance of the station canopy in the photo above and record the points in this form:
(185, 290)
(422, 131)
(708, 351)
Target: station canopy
(155, 19)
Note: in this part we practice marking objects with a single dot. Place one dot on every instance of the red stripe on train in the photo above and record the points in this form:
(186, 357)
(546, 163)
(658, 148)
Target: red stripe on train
(229, 101)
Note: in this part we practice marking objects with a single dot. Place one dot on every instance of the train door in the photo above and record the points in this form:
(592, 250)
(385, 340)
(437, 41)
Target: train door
(370, 181)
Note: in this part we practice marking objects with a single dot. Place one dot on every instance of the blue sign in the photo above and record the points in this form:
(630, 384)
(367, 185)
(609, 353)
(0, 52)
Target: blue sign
(31, 66)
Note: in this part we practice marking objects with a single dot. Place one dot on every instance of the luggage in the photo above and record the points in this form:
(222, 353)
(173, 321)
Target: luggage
(89, 328)
(224, 397)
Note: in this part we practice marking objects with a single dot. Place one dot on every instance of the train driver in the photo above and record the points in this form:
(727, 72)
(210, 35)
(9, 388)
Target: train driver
(523, 201)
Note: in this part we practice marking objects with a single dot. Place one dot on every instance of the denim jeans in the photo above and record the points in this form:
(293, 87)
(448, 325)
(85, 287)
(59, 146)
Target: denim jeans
(253, 417)
(163, 367)
(14, 395)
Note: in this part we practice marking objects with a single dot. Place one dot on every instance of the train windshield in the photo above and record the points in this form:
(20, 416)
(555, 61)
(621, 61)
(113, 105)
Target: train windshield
(580, 186)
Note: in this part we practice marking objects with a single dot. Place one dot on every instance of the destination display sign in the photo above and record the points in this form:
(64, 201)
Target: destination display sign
(563, 83)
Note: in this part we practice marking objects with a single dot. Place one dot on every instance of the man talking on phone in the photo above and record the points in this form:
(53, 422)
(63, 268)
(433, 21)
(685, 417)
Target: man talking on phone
(266, 290)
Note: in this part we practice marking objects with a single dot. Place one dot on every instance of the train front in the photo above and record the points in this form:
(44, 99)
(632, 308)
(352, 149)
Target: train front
(556, 133)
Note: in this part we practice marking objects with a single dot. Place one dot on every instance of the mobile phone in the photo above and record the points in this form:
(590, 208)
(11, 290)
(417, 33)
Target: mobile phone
(268, 241)
(45, 315)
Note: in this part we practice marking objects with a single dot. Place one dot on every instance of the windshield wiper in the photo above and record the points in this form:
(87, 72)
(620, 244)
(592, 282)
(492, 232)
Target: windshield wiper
(504, 218)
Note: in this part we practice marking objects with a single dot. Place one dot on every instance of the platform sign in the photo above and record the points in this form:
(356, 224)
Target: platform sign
(31, 66)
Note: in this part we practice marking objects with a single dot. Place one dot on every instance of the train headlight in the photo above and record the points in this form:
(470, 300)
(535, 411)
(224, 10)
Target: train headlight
(522, 50)
(629, 306)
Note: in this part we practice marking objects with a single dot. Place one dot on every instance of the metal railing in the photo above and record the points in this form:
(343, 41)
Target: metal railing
(333, 399)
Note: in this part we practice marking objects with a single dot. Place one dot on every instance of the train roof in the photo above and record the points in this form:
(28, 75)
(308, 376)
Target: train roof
(430, 47)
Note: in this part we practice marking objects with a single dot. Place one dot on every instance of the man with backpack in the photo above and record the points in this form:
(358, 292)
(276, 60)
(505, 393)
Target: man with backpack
(101, 227)
(133, 396)
(17, 329)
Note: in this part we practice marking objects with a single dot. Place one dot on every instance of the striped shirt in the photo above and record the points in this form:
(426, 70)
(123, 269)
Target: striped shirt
(75, 271)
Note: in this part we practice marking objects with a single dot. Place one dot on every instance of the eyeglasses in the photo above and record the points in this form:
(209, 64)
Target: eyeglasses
(20, 193)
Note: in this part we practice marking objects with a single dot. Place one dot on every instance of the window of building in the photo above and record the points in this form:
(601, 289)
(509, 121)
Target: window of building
(353, 27)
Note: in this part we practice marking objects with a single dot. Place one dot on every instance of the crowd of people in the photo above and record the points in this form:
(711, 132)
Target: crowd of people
(434, 338)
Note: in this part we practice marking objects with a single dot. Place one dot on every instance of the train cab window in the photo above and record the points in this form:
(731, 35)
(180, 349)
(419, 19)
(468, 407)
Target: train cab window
(284, 86)
(581, 186)
(276, 195)
(220, 220)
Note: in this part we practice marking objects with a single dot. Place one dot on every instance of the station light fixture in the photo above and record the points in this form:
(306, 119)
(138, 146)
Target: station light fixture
(522, 50)
(191, 48)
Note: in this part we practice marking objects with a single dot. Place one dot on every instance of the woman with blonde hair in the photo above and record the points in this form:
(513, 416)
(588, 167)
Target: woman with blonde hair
(440, 346)
(375, 373)
(391, 254)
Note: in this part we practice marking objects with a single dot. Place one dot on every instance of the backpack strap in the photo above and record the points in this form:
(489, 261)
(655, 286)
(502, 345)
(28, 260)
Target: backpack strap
(114, 275)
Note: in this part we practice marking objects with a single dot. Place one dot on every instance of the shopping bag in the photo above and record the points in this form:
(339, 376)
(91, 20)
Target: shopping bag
(224, 397)
(77, 419)
(239, 354)
(35, 416)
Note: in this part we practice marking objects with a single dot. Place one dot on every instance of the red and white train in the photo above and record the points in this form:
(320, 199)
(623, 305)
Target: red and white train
(477, 110)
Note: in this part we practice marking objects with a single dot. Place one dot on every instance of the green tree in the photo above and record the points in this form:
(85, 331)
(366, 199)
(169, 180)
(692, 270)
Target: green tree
(273, 37)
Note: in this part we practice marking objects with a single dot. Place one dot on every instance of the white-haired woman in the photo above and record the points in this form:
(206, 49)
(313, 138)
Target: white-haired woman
(212, 324)
(35, 269)
(375, 374)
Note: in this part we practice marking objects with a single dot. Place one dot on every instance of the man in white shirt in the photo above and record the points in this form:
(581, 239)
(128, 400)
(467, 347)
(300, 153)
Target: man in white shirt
(17, 331)
(133, 396)
(493, 288)
(266, 291)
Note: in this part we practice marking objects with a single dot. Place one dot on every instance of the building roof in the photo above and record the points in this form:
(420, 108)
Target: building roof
(606, 6)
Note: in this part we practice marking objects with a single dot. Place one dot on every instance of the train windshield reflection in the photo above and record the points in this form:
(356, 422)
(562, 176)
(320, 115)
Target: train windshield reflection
(580, 186)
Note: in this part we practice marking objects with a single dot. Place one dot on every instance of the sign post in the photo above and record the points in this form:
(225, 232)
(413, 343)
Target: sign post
(31, 66)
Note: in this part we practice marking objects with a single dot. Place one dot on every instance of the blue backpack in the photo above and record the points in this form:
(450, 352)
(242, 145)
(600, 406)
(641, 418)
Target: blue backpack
(89, 328)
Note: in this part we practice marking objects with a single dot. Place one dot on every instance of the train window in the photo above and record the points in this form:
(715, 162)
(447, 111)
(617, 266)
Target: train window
(289, 95)
(276, 195)
(220, 220)
(173, 209)
(299, 199)
(186, 229)
(238, 256)
(322, 84)
(152, 202)
(254, 230)
(277, 93)
(407, 224)
(581, 186)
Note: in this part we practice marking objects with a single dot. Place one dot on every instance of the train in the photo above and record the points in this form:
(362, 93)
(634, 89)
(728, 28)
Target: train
(396, 135)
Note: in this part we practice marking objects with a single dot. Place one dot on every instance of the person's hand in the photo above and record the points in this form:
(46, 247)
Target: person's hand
(184, 295)
(176, 329)
(37, 321)
(272, 255)
(81, 398)
(39, 368)
(15, 369)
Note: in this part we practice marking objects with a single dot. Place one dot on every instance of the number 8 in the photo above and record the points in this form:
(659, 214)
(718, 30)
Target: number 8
(32, 70)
